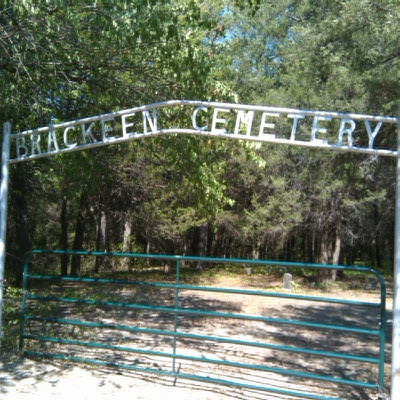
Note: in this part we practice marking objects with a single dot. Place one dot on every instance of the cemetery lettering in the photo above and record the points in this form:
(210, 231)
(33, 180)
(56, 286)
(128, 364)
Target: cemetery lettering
(291, 127)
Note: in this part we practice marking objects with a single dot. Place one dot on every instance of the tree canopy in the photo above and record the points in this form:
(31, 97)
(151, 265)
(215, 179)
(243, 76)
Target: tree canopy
(64, 60)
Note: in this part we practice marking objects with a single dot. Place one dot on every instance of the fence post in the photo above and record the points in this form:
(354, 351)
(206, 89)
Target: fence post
(176, 316)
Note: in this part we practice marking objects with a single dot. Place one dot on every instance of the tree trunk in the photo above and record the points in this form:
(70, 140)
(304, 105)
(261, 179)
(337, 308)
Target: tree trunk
(217, 248)
(168, 263)
(127, 263)
(210, 239)
(377, 239)
(256, 250)
(337, 249)
(147, 250)
(202, 245)
(79, 234)
(64, 236)
(312, 246)
(101, 244)
(324, 275)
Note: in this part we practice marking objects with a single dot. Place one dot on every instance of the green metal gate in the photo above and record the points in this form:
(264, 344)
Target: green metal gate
(309, 347)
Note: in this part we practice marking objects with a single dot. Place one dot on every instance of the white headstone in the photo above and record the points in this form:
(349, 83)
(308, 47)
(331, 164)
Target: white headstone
(287, 281)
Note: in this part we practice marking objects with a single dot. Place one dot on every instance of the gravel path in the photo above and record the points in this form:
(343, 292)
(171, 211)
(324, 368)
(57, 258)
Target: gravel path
(39, 381)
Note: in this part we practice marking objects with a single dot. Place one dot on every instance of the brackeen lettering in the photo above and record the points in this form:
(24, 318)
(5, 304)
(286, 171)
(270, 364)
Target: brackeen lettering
(256, 123)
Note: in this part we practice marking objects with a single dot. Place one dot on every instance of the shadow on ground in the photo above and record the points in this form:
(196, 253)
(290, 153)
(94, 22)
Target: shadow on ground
(136, 340)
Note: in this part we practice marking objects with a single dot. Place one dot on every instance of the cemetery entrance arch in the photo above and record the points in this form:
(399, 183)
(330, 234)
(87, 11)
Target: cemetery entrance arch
(326, 130)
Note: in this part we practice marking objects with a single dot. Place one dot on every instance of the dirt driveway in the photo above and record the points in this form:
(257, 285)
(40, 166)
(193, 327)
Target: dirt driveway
(43, 378)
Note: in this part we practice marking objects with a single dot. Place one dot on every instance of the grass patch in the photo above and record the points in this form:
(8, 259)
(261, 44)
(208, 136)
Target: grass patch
(12, 301)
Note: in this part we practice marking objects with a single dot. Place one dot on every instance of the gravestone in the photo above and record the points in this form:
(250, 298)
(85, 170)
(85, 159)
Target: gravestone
(372, 284)
(287, 281)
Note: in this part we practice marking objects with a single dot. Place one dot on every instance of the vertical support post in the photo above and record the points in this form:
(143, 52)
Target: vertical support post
(23, 308)
(3, 213)
(382, 336)
(395, 385)
(176, 317)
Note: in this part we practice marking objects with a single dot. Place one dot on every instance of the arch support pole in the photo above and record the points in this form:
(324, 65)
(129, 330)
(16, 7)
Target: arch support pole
(3, 212)
(395, 384)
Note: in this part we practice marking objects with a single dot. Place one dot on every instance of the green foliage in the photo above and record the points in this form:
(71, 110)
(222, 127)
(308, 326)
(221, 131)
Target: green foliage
(318, 55)
(11, 319)
(65, 60)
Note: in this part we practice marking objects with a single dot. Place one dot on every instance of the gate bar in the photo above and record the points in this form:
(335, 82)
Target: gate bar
(218, 339)
(207, 289)
(257, 367)
(375, 332)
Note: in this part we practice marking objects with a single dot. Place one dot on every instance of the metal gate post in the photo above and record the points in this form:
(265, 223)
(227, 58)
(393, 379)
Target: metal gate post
(3, 213)
(395, 385)
(176, 316)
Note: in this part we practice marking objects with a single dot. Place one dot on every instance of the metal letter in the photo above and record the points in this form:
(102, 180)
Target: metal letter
(125, 125)
(265, 124)
(194, 119)
(105, 129)
(20, 142)
(88, 132)
(349, 131)
(51, 138)
(246, 119)
(296, 118)
(69, 145)
(152, 123)
(316, 128)
(217, 120)
(35, 141)
(372, 135)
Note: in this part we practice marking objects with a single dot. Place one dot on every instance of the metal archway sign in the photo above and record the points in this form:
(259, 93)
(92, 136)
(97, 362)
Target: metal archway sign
(347, 132)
